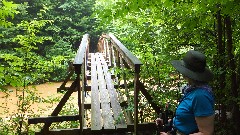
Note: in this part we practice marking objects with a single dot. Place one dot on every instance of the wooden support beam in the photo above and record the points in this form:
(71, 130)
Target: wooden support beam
(88, 88)
(87, 131)
(87, 106)
(69, 75)
(60, 106)
(88, 67)
(148, 97)
(73, 131)
(151, 126)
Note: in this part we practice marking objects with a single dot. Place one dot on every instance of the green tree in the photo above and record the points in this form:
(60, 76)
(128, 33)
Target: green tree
(158, 31)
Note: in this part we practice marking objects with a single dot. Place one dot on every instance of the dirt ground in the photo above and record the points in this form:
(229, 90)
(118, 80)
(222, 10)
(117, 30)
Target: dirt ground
(9, 105)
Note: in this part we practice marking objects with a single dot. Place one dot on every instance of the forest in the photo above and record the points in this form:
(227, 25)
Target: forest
(38, 38)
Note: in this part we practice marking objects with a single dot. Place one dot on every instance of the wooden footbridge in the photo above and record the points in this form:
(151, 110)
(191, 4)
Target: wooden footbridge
(108, 115)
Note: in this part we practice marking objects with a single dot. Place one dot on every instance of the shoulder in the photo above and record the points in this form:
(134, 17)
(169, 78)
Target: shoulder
(202, 102)
(202, 95)
(202, 92)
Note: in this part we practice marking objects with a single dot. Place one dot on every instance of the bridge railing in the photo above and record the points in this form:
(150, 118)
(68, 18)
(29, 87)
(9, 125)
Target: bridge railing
(80, 65)
(119, 56)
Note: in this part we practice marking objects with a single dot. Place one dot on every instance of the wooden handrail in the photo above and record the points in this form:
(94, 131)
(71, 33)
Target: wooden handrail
(125, 52)
(131, 61)
(82, 51)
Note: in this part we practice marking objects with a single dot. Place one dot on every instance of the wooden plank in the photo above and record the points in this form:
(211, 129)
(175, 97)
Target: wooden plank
(82, 92)
(117, 111)
(108, 122)
(52, 119)
(96, 122)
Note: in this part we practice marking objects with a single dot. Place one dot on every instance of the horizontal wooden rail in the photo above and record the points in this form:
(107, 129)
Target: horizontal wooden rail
(52, 119)
(87, 131)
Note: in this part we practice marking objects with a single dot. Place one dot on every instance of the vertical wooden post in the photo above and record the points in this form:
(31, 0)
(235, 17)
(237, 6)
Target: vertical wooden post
(107, 50)
(136, 93)
(84, 83)
(79, 97)
(118, 65)
(105, 47)
(111, 54)
(117, 60)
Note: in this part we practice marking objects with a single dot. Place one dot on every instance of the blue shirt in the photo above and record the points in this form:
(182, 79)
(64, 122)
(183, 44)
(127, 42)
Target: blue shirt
(197, 102)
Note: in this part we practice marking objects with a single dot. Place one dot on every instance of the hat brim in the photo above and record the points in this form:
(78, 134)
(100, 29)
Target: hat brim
(205, 76)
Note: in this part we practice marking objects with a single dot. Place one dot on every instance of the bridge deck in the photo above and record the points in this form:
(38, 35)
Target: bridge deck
(108, 117)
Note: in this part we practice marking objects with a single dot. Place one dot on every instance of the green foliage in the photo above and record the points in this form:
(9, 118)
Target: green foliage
(160, 31)
(60, 48)
(59, 34)
(7, 9)
(30, 39)
(22, 62)
(37, 46)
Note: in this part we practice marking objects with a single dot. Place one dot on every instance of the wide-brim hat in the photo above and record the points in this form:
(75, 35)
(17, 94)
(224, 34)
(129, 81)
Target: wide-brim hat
(193, 65)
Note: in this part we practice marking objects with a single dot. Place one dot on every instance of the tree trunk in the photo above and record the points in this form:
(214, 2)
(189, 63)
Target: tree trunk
(221, 66)
(233, 75)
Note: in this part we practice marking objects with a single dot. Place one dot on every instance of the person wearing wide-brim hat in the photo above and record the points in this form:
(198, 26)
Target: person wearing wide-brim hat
(195, 112)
